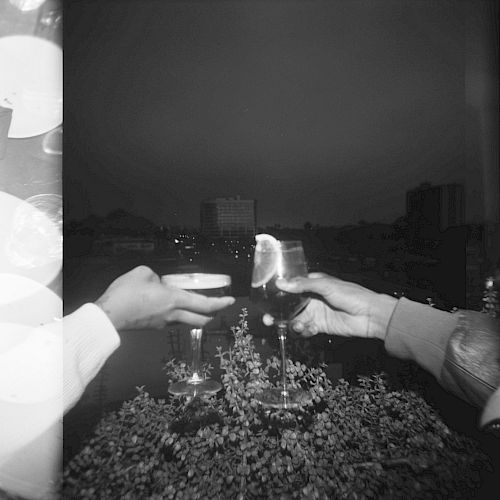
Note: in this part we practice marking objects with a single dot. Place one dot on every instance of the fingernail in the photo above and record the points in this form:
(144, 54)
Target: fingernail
(282, 283)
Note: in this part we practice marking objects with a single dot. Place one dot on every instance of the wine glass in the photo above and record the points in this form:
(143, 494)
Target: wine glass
(211, 285)
(275, 259)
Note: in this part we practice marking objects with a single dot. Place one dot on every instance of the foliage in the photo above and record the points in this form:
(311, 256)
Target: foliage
(352, 441)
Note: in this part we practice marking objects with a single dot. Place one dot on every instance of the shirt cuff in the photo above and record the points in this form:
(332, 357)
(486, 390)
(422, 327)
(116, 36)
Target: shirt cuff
(420, 333)
(89, 339)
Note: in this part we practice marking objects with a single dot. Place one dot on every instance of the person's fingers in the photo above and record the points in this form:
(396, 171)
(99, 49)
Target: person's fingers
(143, 272)
(153, 277)
(305, 330)
(201, 304)
(268, 320)
(338, 293)
(137, 276)
(297, 326)
(320, 285)
(217, 303)
(317, 275)
(307, 333)
(189, 318)
(312, 329)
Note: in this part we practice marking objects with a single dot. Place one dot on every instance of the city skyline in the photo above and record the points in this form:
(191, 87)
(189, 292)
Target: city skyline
(436, 206)
(327, 112)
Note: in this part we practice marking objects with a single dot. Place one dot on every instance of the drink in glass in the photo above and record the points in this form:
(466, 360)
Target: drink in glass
(275, 259)
(210, 285)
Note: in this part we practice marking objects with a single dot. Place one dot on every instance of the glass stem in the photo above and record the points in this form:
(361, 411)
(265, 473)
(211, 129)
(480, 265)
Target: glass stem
(196, 334)
(282, 328)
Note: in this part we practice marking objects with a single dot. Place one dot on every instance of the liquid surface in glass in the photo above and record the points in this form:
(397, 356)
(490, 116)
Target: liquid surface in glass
(283, 306)
(211, 285)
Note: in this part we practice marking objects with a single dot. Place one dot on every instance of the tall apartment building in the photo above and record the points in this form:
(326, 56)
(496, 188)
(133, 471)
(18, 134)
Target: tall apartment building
(231, 218)
(433, 209)
(436, 227)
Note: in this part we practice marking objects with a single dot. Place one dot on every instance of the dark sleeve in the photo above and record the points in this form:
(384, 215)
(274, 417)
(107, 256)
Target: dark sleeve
(462, 349)
(472, 363)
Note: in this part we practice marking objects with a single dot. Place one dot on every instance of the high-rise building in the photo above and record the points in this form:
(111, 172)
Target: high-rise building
(231, 218)
(433, 209)
(436, 228)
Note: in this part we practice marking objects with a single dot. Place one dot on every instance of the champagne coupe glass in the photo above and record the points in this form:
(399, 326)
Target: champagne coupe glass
(275, 259)
(211, 285)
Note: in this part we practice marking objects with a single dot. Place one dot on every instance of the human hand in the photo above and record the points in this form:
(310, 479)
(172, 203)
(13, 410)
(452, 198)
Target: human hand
(138, 299)
(343, 308)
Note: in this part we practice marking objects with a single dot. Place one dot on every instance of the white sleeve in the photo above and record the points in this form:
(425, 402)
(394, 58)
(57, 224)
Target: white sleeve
(43, 372)
(89, 339)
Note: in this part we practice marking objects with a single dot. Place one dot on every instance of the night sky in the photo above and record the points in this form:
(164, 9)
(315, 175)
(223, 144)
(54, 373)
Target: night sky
(325, 112)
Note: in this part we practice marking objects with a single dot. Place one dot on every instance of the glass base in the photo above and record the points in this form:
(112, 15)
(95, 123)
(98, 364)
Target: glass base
(190, 389)
(274, 398)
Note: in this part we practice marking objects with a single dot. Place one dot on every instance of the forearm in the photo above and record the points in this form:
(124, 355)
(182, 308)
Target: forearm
(420, 333)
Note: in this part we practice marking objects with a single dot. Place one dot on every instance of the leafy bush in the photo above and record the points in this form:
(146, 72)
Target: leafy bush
(352, 441)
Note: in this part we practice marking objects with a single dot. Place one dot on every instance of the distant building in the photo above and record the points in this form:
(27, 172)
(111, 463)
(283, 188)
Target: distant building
(118, 245)
(430, 210)
(437, 229)
(231, 218)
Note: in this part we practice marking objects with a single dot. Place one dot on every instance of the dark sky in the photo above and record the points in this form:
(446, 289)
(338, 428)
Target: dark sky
(321, 111)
